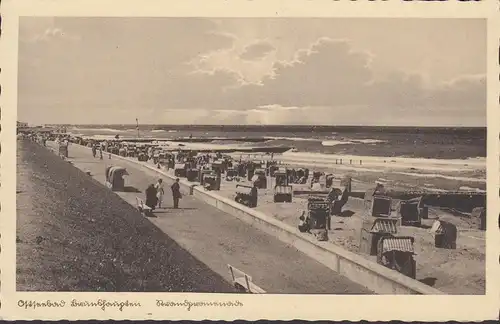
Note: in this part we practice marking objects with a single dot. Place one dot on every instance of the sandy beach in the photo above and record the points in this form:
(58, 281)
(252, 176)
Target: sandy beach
(432, 175)
(459, 271)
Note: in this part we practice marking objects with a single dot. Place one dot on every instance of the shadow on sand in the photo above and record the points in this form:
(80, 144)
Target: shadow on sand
(131, 189)
(346, 213)
(429, 281)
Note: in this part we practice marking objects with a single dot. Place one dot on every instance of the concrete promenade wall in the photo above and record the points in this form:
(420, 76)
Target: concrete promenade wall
(374, 276)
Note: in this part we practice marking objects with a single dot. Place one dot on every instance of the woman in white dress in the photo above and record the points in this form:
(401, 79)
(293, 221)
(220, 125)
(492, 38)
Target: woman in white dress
(159, 191)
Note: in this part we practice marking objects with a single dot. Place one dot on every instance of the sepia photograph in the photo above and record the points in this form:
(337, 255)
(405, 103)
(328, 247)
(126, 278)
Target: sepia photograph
(339, 156)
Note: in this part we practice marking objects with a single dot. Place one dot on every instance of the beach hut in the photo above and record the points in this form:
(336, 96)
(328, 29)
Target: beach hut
(281, 177)
(202, 173)
(231, 173)
(445, 235)
(283, 194)
(211, 181)
(409, 212)
(397, 253)
(372, 230)
(180, 170)
(114, 178)
(318, 213)
(192, 174)
(142, 156)
(381, 206)
(243, 196)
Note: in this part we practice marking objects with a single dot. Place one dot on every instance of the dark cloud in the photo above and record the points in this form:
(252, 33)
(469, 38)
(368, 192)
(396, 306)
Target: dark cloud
(257, 51)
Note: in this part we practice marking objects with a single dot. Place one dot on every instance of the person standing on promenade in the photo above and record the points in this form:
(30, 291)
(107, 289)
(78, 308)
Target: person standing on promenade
(159, 191)
(151, 198)
(176, 193)
(254, 195)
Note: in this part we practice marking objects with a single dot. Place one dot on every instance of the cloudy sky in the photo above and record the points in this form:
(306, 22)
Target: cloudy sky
(429, 72)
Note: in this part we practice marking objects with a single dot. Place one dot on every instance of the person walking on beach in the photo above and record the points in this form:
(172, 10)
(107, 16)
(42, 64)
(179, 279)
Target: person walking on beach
(176, 193)
(94, 150)
(159, 192)
(100, 152)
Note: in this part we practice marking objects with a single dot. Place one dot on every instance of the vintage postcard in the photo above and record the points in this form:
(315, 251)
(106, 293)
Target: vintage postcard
(319, 160)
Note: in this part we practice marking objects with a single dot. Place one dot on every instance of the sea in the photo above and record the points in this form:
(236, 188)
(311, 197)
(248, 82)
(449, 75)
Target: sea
(407, 142)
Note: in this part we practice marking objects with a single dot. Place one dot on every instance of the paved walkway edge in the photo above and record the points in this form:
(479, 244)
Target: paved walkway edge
(372, 275)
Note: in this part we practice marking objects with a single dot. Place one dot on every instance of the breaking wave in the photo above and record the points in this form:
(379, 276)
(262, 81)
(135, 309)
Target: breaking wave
(97, 130)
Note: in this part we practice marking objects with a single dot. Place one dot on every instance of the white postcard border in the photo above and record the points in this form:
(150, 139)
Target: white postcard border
(254, 307)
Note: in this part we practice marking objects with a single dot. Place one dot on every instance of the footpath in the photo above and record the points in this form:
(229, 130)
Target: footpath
(217, 238)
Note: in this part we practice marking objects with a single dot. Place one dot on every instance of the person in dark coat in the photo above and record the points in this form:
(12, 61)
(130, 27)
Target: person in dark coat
(176, 193)
(151, 199)
(253, 195)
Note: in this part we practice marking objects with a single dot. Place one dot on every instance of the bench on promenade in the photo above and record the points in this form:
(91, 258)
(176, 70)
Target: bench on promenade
(143, 208)
(243, 282)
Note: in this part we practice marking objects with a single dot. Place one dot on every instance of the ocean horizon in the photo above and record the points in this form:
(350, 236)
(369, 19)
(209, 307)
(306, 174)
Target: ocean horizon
(288, 128)
(388, 141)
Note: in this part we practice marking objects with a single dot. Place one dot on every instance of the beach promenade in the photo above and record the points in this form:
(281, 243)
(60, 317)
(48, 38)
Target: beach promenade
(217, 239)
(75, 235)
